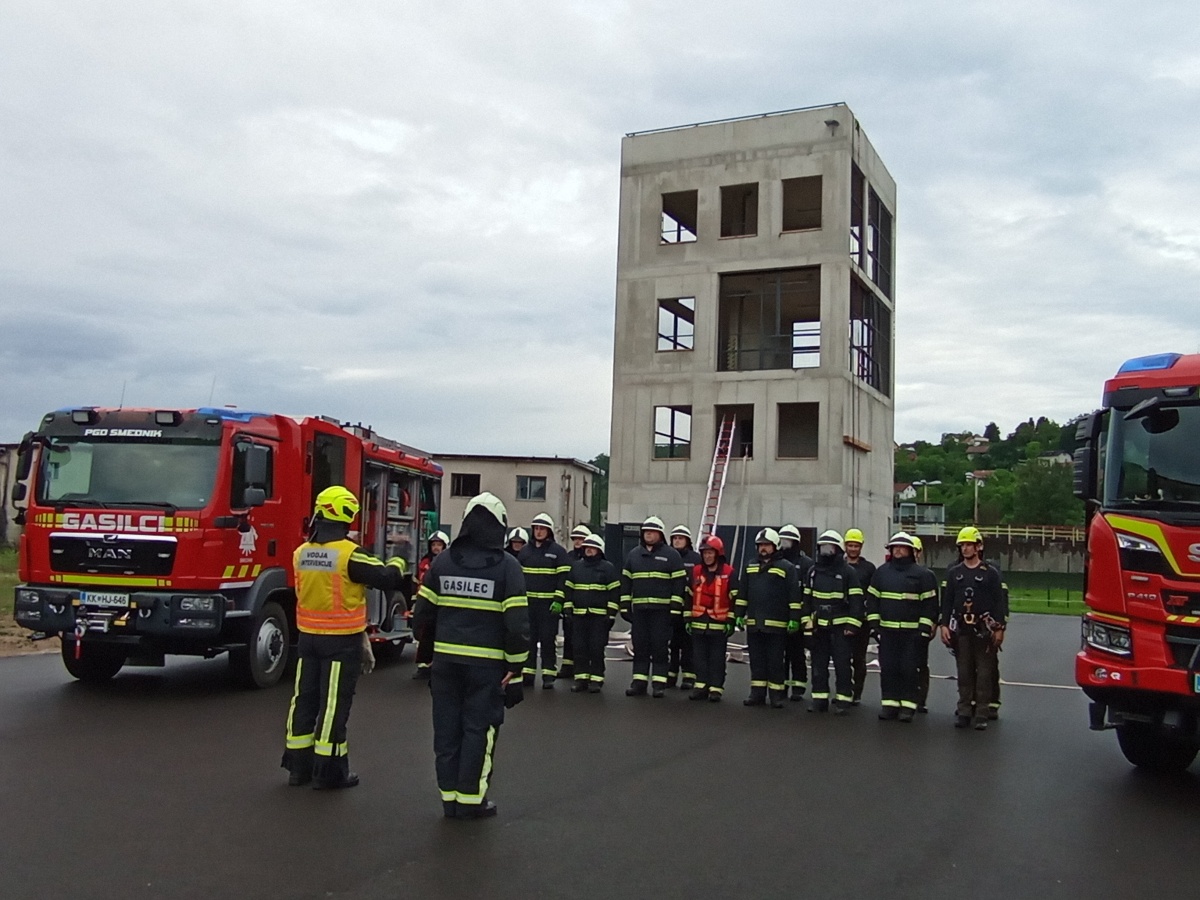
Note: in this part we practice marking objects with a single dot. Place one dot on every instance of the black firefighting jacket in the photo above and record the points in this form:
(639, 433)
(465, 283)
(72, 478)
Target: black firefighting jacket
(903, 596)
(593, 588)
(768, 595)
(654, 576)
(546, 568)
(473, 597)
(833, 597)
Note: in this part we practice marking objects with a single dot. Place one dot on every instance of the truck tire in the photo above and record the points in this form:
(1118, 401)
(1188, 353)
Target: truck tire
(96, 664)
(261, 663)
(1149, 748)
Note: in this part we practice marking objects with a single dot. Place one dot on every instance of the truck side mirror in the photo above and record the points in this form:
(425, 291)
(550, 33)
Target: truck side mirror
(20, 489)
(1083, 485)
(254, 496)
(257, 464)
(25, 456)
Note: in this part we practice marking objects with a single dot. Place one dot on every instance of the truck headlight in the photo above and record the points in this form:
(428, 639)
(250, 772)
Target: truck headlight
(197, 604)
(1129, 542)
(1110, 638)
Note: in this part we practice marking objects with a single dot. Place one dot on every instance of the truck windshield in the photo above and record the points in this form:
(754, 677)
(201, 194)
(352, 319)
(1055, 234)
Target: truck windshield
(177, 474)
(1152, 460)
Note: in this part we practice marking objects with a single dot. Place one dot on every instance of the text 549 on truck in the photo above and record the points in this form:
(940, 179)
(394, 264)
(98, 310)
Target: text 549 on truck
(152, 531)
(1138, 469)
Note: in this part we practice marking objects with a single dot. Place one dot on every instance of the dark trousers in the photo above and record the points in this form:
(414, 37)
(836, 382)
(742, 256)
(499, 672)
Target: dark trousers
(978, 670)
(899, 659)
(681, 661)
(569, 660)
(468, 708)
(326, 672)
(923, 674)
(796, 672)
(832, 643)
(424, 647)
(858, 659)
(650, 629)
(543, 631)
(708, 652)
(994, 701)
(767, 662)
(591, 639)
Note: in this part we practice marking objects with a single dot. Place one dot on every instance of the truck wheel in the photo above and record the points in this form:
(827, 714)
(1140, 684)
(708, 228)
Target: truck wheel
(97, 663)
(1148, 748)
(261, 663)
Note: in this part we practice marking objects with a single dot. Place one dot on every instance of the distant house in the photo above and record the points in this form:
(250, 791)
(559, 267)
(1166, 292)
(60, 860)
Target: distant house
(904, 491)
(978, 446)
(1056, 458)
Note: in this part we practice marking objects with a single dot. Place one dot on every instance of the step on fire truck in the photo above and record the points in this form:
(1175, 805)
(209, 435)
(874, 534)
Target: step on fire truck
(1138, 470)
(157, 531)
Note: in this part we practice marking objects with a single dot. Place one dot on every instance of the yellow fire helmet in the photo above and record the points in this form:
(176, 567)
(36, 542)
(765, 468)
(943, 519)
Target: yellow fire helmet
(854, 536)
(969, 535)
(337, 504)
(918, 545)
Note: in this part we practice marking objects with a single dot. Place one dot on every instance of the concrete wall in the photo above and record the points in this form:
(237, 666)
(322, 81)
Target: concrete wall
(569, 486)
(1011, 554)
(843, 486)
(9, 530)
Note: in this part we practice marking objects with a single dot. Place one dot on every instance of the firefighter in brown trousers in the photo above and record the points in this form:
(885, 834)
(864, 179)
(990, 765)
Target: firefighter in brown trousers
(862, 639)
(973, 618)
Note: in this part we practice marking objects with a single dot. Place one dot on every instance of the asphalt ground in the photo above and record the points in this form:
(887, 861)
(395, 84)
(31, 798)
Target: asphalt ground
(165, 783)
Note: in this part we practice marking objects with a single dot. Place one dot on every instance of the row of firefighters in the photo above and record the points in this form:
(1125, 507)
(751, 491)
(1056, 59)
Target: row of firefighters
(488, 611)
(683, 605)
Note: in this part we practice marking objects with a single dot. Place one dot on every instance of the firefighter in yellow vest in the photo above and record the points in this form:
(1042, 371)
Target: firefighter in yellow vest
(332, 575)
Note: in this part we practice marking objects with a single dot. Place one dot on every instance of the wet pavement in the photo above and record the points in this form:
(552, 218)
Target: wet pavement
(165, 783)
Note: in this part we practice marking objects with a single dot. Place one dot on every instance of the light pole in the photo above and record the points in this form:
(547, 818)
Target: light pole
(924, 485)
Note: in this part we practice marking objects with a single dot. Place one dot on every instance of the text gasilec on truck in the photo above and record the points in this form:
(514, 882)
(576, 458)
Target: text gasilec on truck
(1138, 469)
(151, 532)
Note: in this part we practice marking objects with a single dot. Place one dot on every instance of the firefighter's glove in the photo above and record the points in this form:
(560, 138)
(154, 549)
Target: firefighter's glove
(793, 626)
(556, 608)
(514, 693)
(730, 627)
(368, 655)
(740, 622)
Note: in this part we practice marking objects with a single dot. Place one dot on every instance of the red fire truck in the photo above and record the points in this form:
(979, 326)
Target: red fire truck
(1138, 469)
(156, 531)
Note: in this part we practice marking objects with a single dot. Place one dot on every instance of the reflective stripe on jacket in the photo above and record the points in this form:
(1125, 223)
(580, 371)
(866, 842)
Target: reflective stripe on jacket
(593, 587)
(654, 577)
(833, 596)
(327, 601)
(903, 596)
(545, 568)
(768, 595)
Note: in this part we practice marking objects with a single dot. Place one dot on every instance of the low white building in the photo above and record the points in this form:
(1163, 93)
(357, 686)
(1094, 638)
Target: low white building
(528, 485)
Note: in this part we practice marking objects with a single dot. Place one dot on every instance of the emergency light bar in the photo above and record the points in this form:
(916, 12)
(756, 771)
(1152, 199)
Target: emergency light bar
(1149, 363)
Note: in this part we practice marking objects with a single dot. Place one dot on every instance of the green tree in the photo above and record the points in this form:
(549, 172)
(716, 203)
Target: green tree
(991, 432)
(1042, 495)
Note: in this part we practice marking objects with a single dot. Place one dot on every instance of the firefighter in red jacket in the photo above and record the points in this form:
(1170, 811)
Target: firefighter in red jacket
(438, 542)
(332, 575)
(712, 620)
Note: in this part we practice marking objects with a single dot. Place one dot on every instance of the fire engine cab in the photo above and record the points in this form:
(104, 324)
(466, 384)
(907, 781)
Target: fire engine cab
(171, 531)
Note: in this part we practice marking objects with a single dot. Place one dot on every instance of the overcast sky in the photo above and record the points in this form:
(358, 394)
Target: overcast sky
(405, 213)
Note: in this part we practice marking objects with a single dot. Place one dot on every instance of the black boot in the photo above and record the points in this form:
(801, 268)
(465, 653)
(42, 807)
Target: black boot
(980, 723)
(450, 809)
(484, 810)
(594, 687)
(658, 690)
(962, 721)
(698, 694)
(888, 713)
(777, 698)
(547, 682)
(688, 682)
(422, 673)
(906, 715)
(527, 679)
(579, 686)
(797, 693)
(758, 697)
(567, 670)
(841, 707)
(299, 764)
(714, 696)
(637, 689)
(819, 706)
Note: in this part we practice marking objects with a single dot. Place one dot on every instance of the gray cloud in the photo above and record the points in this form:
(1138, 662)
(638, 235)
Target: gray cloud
(406, 216)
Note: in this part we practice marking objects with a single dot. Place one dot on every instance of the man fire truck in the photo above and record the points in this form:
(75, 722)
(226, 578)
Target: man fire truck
(156, 531)
(1139, 473)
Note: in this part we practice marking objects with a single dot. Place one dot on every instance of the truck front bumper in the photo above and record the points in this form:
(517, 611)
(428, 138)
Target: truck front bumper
(116, 612)
(1122, 691)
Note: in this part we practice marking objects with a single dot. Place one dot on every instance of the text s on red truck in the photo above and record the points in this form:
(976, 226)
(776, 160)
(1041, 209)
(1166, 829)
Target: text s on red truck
(1138, 469)
(156, 531)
